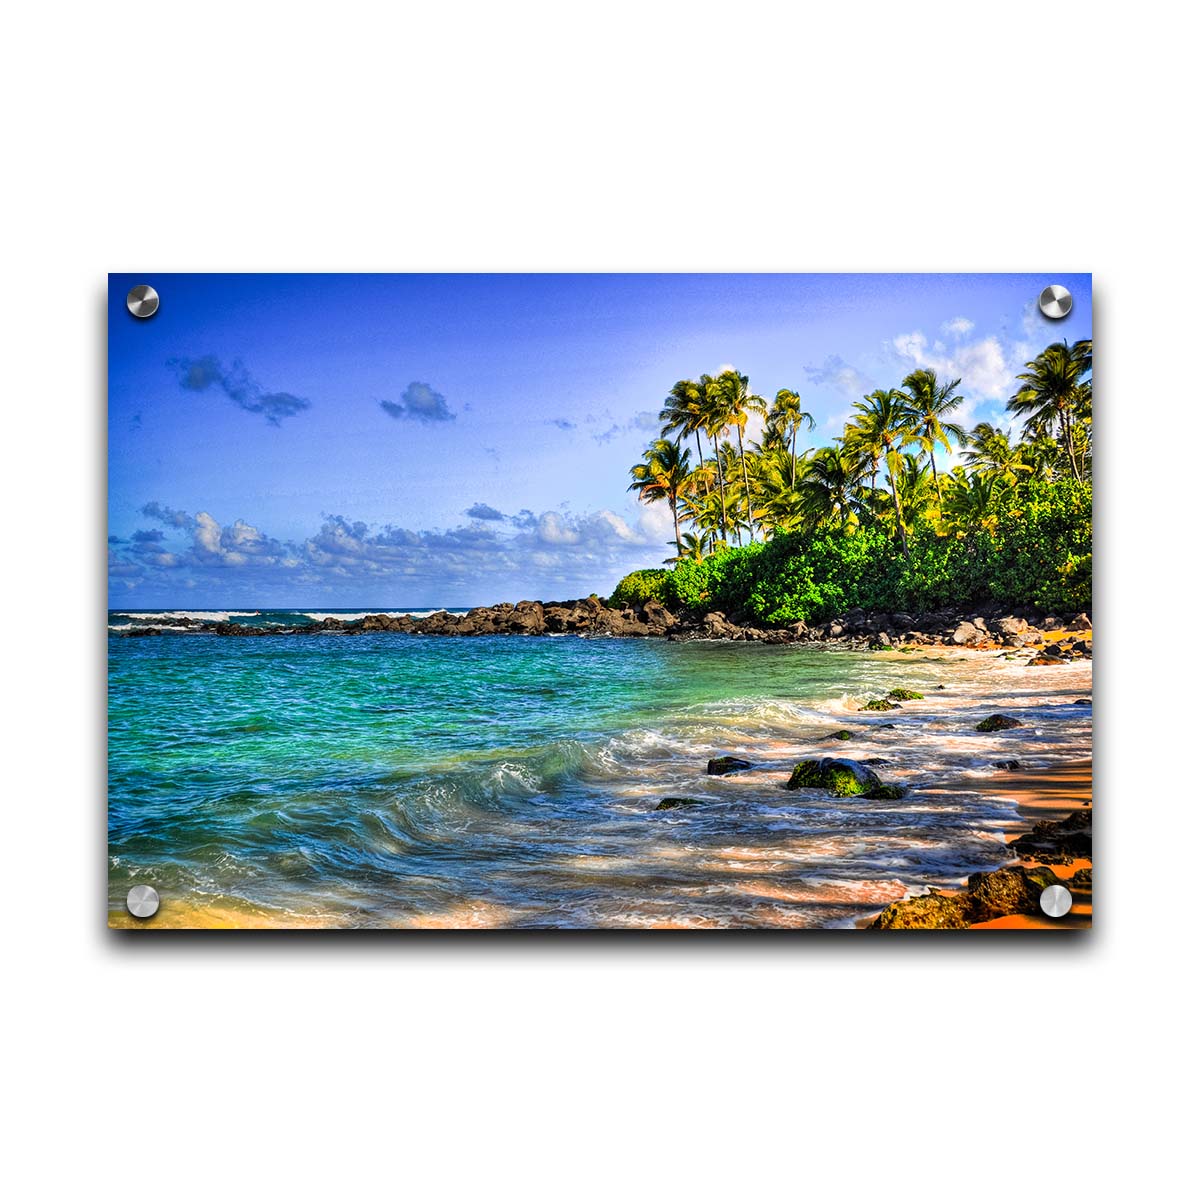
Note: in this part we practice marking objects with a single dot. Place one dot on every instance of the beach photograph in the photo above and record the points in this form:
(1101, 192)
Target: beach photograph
(600, 602)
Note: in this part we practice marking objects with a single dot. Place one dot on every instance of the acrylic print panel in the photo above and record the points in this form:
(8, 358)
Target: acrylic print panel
(600, 602)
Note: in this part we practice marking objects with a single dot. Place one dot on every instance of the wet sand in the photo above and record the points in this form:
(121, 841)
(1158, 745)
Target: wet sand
(1051, 794)
(1041, 794)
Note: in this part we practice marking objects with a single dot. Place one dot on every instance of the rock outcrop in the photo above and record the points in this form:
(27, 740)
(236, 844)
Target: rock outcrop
(987, 895)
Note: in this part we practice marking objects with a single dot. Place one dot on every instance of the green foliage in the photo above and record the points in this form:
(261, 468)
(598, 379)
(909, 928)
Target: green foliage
(1043, 546)
(1034, 547)
(722, 581)
(640, 586)
(871, 521)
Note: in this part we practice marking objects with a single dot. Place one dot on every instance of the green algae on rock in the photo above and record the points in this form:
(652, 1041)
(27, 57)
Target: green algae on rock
(904, 694)
(842, 735)
(842, 777)
(879, 706)
(997, 721)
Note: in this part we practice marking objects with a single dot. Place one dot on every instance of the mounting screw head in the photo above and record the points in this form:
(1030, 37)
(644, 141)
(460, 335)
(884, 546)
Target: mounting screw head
(1055, 302)
(142, 901)
(142, 300)
(1055, 900)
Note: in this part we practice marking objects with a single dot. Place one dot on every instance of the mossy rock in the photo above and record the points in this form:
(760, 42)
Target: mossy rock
(925, 912)
(997, 721)
(726, 764)
(676, 802)
(1007, 891)
(842, 735)
(841, 776)
(904, 694)
(879, 706)
(885, 791)
(989, 894)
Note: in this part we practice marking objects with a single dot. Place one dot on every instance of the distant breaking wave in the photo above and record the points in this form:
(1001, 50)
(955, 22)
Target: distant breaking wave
(371, 612)
(181, 612)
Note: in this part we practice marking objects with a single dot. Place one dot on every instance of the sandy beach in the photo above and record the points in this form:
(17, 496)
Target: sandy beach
(1052, 794)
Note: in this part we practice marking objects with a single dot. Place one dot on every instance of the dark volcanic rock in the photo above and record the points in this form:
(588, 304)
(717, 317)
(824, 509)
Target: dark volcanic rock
(842, 735)
(676, 802)
(726, 764)
(968, 634)
(997, 721)
(1007, 764)
(1057, 841)
(879, 706)
(904, 694)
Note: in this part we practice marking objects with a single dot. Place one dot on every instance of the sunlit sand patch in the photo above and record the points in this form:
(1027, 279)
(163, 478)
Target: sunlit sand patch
(173, 915)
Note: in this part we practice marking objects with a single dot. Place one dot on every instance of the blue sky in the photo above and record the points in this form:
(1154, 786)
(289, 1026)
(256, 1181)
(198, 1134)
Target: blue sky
(395, 441)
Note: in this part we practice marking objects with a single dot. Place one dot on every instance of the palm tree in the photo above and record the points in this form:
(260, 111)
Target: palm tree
(786, 417)
(1056, 392)
(780, 501)
(740, 402)
(662, 475)
(715, 417)
(930, 403)
(991, 453)
(692, 549)
(881, 430)
(682, 413)
(703, 511)
(914, 487)
(969, 501)
(829, 486)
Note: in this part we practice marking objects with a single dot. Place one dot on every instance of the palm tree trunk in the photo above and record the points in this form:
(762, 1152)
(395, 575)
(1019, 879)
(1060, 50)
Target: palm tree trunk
(746, 483)
(937, 487)
(794, 455)
(721, 489)
(700, 458)
(1064, 423)
(896, 502)
(675, 517)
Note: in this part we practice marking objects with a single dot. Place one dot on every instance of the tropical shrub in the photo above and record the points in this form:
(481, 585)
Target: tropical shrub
(1044, 546)
(639, 586)
(1036, 550)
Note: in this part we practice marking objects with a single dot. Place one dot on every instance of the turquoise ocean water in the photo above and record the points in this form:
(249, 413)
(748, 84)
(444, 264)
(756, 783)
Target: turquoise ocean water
(386, 780)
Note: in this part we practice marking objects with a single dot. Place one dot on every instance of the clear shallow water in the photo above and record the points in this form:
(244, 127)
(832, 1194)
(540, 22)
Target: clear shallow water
(386, 780)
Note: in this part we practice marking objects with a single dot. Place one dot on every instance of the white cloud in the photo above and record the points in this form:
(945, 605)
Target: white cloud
(958, 326)
(985, 369)
(554, 554)
(835, 372)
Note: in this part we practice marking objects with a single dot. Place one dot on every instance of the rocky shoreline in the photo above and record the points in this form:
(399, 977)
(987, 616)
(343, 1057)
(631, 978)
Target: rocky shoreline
(1052, 638)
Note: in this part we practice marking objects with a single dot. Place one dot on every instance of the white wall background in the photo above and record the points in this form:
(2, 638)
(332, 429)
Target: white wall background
(623, 136)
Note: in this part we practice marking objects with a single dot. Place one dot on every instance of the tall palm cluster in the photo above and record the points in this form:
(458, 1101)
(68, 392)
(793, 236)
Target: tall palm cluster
(882, 469)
